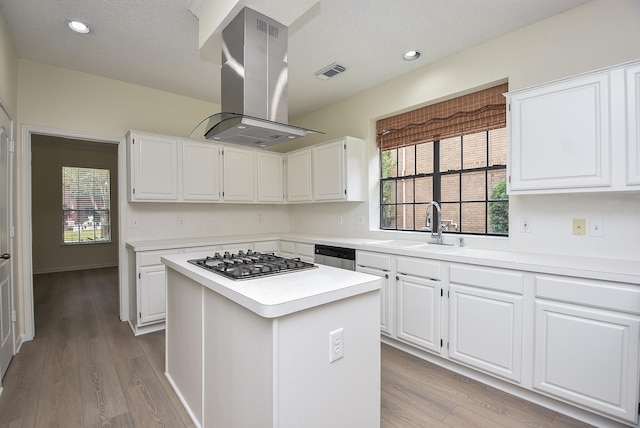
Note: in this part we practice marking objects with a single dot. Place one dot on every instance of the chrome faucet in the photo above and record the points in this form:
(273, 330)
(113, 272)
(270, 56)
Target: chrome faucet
(437, 222)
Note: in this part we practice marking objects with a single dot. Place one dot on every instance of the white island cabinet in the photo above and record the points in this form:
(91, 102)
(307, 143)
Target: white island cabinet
(256, 353)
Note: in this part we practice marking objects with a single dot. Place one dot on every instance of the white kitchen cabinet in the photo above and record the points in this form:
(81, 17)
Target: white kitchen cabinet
(147, 290)
(239, 175)
(560, 135)
(270, 176)
(381, 266)
(290, 249)
(153, 167)
(579, 134)
(201, 166)
(339, 171)
(419, 301)
(587, 337)
(152, 296)
(299, 176)
(486, 319)
(632, 75)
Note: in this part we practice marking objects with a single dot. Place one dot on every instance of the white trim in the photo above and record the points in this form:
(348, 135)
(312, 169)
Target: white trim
(11, 197)
(26, 235)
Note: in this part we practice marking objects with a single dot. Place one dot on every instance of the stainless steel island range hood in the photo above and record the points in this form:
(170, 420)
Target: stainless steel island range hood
(254, 78)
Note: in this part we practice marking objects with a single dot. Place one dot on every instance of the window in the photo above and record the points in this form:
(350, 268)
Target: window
(453, 153)
(85, 205)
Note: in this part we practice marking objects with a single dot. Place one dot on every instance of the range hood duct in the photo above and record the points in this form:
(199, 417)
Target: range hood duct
(254, 77)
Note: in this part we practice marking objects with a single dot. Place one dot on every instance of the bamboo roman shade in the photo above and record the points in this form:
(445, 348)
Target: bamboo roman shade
(468, 114)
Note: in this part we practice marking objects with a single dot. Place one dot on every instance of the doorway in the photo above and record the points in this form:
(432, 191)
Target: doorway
(31, 136)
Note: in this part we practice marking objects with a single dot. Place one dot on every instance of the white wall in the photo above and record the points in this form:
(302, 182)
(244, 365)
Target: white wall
(596, 35)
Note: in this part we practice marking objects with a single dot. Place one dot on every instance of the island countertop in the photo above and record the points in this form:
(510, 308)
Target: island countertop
(278, 295)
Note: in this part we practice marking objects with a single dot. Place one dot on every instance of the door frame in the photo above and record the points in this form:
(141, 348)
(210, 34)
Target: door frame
(26, 225)
(11, 207)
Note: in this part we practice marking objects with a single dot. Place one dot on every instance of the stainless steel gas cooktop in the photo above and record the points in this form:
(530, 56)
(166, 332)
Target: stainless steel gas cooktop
(250, 264)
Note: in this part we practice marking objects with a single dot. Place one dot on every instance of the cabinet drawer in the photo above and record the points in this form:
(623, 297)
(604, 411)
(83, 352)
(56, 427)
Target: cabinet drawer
(266, 246)
(305, 250)
(149, 258)
(419, 267)
(492, 279)
(287, 247)
(374, 260)
(599, 294)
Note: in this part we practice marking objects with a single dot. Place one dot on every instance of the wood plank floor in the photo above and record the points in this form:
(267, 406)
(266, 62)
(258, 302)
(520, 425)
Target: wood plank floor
(86, 369)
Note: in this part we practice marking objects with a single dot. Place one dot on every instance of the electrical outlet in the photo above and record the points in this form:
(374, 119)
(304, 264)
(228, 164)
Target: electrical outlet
(336, 345)
(579, 226)
(339, 219)
(596, 227)
(525, 225)
(259, 220)
(180, 222)
(359, 220)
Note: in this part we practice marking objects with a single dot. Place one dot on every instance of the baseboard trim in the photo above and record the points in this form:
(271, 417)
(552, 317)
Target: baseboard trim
(73, 268)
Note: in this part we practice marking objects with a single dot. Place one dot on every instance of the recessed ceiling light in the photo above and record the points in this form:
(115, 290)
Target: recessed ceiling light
(411, 55)
(78, 27)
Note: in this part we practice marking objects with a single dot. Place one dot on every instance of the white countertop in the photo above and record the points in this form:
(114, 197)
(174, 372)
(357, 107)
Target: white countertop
(618, 270)
(279, 295)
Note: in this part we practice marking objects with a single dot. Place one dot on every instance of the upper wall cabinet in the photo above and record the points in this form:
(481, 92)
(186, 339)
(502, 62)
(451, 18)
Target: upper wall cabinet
(299, 176)
(339, 170)
(152, 167)
(270, 176)
(633, 123)
(331, 171)
(201, 166)
(571, 135)
(239, 175)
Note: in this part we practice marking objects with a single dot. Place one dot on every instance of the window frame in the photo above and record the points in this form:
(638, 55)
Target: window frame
(67, 212)
(436, 188)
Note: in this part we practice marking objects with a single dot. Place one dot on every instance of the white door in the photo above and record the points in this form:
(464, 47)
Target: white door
(6, 301)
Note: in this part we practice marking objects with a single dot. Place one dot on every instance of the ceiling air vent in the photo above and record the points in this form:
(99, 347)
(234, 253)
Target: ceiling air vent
(330, 71)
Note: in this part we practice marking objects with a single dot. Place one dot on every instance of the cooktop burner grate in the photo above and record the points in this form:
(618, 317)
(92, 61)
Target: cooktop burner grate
(250, 264)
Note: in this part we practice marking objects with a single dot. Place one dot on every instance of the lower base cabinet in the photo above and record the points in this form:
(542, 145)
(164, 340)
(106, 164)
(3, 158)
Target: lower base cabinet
(152, 295)
(486, 319)
(419, 312)
(588, 354)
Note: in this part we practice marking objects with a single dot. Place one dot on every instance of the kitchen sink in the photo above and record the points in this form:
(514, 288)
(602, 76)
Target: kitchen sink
(413, 245)
(395, 243)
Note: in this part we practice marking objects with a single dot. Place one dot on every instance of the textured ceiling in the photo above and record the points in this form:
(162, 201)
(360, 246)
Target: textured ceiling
(154, 43)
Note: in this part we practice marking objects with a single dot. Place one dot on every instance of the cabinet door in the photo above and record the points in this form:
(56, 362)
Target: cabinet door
(238, 175)
(560, 135)
(153, 168)
(152, 294)
(588, 356)
(633, 124)
(299, 176)
(385, 298)
(486, 330)
(419, 312)
(270, 181)
(201, 171)
(329, 172)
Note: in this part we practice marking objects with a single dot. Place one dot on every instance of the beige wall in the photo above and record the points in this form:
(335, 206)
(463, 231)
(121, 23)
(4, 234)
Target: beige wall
(596, 35)
(48, 156)
(8, 70)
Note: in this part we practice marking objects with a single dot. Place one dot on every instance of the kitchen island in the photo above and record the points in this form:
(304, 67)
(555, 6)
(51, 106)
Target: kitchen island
(256, 353)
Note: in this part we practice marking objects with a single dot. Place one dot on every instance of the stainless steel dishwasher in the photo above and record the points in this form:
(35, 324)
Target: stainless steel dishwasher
(344, 258)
